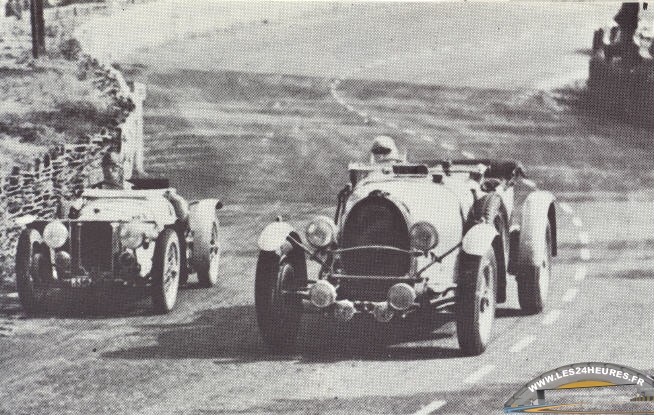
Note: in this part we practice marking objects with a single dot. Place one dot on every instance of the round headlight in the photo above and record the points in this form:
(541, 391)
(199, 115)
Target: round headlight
(55, 234)
(423, 236)
(131, 235)
(320, 232)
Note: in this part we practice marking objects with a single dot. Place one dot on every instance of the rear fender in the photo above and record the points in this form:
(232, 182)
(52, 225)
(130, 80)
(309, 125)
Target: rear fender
(537, 210)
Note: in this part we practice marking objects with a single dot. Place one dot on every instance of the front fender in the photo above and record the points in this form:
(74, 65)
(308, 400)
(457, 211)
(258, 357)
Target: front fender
(537, 210)
(273, 236)
(479, 239)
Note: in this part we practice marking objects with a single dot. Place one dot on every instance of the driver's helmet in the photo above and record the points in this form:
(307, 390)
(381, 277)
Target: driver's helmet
(384, 150)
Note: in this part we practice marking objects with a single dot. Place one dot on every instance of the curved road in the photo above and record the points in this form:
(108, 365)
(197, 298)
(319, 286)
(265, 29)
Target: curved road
(266, 116)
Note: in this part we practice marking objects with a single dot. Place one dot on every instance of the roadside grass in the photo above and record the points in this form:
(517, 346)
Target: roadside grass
(45, 101)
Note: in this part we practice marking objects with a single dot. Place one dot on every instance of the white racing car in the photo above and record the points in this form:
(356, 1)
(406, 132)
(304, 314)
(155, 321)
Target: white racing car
(434, 237)
(124, 237)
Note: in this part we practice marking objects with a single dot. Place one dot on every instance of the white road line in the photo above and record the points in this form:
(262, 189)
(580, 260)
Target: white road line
(584, 238)
(468, 154)
(566, 207)
(569, 295)
(480, 373)
(522, 344)
(10, 295)
(426, 410)
(577, 222)
(410, 131)
(529, 183)
(427, 138)
(447, 146)
(584, 254)
(580, 274)
(551, 317)
(392, 125)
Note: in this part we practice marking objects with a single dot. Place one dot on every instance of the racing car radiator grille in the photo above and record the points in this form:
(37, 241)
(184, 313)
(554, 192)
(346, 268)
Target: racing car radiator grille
(375, 221)
(92, 243)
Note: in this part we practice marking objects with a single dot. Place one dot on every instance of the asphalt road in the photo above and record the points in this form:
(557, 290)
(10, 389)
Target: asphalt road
(271, 134)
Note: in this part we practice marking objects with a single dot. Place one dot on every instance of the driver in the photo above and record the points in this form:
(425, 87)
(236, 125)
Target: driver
(384, 151)
(113, 173)
(114, 179)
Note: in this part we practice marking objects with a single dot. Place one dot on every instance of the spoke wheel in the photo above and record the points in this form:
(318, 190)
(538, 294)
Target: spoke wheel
(214, 255)
(475, 302)
(534, 280)
(166, 271)
(278, 313)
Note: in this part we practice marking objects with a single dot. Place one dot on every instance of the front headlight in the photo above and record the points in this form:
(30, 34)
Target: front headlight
(132, 234)
(55, 234)
(423, 236)
(320, 232)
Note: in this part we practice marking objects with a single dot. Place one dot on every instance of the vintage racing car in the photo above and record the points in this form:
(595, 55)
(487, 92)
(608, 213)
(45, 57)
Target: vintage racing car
(434, 237)
(125, 237)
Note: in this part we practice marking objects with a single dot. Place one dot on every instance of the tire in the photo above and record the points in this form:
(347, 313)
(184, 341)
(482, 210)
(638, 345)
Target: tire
(206, 242)
(475, 302)
(533, 281)
(598, 40)
(32, 271)
(490, 209)
(165, 272)
(278, 314)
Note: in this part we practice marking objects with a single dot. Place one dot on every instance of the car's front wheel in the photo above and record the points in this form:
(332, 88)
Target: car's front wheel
(278, 312)
(165, 272)
(33, 270)
(475, 302)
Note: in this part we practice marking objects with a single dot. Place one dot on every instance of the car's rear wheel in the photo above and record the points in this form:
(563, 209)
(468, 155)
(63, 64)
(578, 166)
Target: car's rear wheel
(206, 242)
(534, 280)
(475, 302)
(490, 209)
(278, 312)
(166, 271)
(33, 271)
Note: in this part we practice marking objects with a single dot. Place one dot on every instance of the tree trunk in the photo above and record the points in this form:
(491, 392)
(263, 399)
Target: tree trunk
(38, 28)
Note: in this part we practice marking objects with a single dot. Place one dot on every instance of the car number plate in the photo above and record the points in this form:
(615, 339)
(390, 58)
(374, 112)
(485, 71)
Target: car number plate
(78, 282)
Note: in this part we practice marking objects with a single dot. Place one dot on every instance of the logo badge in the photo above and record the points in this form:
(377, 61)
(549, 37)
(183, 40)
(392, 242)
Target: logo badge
(531, 397)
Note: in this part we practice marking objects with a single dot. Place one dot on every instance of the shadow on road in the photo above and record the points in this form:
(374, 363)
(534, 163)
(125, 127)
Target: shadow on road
(231, 335)
(105, 303)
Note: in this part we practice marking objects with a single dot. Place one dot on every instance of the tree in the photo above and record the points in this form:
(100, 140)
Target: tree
(38, 28)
